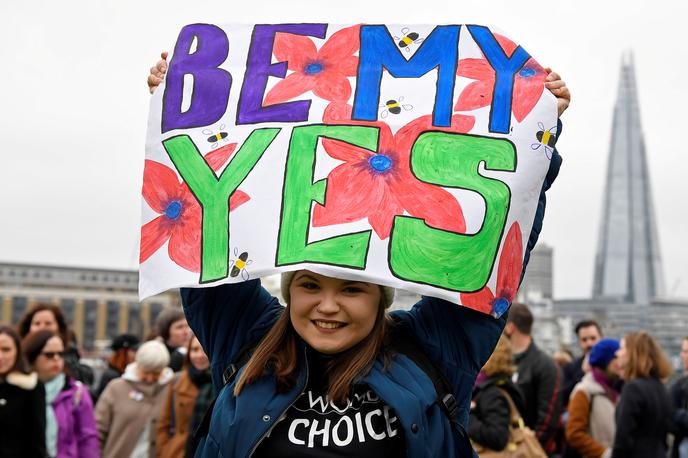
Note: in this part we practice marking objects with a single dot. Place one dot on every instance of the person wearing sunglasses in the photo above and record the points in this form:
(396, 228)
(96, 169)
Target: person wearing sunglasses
(70, 423)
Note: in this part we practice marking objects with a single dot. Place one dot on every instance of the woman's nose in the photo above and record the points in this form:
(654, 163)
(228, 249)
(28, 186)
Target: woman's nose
(328, 304)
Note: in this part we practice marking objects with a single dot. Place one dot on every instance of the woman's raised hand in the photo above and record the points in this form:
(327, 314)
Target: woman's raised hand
(157, 72)
(557, 86)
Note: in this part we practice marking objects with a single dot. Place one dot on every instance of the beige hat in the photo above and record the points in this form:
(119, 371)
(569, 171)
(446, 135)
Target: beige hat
(287, 277)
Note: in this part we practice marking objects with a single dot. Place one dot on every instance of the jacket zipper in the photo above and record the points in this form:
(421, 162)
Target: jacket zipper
(274, 423)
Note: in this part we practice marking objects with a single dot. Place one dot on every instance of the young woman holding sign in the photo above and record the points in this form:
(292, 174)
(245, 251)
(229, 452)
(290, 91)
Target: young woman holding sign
(332, 373)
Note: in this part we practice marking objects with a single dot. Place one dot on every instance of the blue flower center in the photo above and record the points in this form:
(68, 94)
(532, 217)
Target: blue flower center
(313, 68)
(174, 209)
(380, 162)
(499, 306)
(527, 72)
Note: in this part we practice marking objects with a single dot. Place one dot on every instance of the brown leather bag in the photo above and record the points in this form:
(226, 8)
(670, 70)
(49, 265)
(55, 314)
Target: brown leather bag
(522, 441)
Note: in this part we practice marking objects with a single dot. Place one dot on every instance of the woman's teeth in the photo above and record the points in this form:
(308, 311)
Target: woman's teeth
(327, 325)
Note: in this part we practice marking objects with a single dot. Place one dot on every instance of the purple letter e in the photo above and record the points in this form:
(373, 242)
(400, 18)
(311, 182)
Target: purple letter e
(259, 68)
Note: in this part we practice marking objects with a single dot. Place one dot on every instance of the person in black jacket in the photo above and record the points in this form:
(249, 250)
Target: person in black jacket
(123, 353)
(22, 402)
(490, 413)
(537, 376)
(679, 398)
(588, 333)
(644, 412)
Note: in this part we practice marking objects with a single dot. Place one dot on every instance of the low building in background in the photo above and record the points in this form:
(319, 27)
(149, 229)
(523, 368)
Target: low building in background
(98, 303)
(551, 331)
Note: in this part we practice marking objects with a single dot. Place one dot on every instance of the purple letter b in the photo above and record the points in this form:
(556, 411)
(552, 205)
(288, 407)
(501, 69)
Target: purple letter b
(210, 84)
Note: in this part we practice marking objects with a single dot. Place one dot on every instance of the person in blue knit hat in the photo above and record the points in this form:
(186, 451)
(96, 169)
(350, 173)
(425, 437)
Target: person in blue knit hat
(591, 426)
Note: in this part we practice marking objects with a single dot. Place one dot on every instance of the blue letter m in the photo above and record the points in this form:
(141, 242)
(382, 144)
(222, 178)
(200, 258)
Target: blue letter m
(378, 49)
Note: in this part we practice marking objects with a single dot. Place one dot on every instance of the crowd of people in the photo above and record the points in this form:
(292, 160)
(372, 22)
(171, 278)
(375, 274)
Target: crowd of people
(612, 401)
(144, 404)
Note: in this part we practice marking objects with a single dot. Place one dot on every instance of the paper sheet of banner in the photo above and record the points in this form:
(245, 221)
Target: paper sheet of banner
(406, 155)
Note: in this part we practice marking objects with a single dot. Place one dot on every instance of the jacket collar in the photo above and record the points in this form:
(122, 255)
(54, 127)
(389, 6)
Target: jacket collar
(590, 385)
(23, 381)
(532, 348)
(68, 390)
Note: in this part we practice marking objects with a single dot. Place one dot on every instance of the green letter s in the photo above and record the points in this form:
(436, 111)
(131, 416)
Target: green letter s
(459, 262)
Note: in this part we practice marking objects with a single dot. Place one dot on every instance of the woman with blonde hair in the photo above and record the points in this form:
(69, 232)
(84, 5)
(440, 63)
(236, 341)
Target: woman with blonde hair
(490, 412)
(644, 412)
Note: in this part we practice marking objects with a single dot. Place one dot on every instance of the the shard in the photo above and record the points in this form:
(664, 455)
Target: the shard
(627, 264)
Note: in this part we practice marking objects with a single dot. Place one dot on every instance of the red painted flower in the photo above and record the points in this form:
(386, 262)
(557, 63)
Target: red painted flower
(379, 185)
(180, 213)
(323, 71)
(508, 278)
(528, 83)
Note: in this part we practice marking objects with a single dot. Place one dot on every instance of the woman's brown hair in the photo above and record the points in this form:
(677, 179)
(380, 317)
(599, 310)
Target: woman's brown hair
(187, 357)
(501, 360)
(645, 357)
(24, 326)
(19, 363)
(278, 352)
(34, 343)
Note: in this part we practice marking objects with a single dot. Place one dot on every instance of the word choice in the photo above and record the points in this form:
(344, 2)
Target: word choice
(303, 431)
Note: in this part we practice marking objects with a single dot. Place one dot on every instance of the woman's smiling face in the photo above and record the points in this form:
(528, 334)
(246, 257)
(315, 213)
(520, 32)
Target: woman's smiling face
(330, 314)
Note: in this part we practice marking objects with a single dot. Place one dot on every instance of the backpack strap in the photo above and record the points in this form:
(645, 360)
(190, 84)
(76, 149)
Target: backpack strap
(173, 387)
(404, 342)
(228, 376)
(516, 418)
(591, 399)
(239, 361)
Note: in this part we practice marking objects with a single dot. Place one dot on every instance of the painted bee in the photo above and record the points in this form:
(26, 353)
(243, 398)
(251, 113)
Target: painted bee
(394, 107)
(215, 138)
(408, 38)
(239, 264)
(546, 138)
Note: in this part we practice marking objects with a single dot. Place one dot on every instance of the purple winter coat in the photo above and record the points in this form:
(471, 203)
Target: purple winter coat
(77, 435)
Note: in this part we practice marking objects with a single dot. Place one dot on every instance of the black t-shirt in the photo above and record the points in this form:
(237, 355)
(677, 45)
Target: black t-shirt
(315, 427)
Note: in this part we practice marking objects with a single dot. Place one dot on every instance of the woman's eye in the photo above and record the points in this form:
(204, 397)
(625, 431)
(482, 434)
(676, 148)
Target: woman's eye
(352, 289)
(309, 285)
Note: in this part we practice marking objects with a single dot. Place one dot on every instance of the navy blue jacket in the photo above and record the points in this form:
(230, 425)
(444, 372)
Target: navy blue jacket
(459, 340)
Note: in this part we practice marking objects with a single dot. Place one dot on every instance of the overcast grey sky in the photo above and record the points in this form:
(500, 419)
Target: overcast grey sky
(74, 105)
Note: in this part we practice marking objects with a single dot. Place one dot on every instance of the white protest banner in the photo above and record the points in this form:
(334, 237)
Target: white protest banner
(410, 156)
